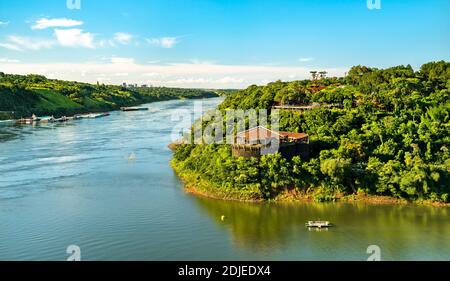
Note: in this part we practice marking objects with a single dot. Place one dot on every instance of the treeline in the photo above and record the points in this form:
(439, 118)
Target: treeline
(22, 96)
(390, 137)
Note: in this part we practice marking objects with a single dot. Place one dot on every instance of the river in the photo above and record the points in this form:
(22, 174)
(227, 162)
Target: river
(76, 184)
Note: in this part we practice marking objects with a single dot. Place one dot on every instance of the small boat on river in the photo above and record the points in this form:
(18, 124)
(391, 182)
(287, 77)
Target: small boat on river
(28, 121)
(98, 115)
(318, 224)
(91, 115)
(46, 119)
(63, 119)
(33, 120)
(133, 108)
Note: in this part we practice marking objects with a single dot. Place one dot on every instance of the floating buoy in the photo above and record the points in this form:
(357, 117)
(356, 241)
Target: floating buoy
(132, 157)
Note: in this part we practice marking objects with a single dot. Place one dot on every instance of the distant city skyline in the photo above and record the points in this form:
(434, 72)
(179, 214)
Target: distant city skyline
(216, 44)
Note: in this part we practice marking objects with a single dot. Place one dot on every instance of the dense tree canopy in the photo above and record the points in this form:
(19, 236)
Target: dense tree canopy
(390, 137)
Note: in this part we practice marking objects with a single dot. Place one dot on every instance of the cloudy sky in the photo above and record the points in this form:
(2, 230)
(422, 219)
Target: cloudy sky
(216, 44)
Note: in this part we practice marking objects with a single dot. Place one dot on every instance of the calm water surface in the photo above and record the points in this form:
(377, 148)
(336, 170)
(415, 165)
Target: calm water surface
(74, 183)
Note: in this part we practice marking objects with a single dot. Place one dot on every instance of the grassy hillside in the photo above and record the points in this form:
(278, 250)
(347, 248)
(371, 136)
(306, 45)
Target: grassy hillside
(22, 96)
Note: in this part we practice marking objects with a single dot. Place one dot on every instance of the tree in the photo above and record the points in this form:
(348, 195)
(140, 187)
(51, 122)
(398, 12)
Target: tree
(323, 74)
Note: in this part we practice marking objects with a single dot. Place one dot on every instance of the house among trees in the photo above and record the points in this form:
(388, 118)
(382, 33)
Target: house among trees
(314, 88)
(260, 141)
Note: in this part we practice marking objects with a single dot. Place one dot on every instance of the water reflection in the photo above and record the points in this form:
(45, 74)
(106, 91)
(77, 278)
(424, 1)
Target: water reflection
(252, 225)
(404, 232)
(7, 136)
(9, 132)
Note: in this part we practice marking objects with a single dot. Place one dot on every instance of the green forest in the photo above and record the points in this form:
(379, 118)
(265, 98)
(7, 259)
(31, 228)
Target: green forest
(390, 137)
(21, 96)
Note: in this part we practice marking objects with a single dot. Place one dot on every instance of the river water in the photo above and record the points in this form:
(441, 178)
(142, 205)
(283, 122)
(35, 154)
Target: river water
(106, 186)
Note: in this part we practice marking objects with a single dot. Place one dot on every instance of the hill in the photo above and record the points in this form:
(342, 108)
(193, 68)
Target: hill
(22, 96)
(389, 137)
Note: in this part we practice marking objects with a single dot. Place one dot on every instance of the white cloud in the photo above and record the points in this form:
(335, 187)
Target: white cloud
(63, 37)
(305, 59)
(9, 60)
(106, 43)
(228, 80)
(63, 22)
(204, 62)
(165, 42)
(120, 60)
(205, 81)
(123, 38)
(123, 74)
(10, 46)
(4, 23)
(74, 38)
(22, 43)
(152, 74)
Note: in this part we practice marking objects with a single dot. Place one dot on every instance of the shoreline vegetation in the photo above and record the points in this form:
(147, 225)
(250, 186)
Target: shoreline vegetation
(197, 186)
(24, 95)
(387, 144)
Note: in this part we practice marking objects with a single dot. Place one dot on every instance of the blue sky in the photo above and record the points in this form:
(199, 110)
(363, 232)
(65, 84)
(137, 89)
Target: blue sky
(222, 44)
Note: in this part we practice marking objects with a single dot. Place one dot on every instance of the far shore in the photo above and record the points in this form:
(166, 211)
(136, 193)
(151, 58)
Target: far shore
(100, 110)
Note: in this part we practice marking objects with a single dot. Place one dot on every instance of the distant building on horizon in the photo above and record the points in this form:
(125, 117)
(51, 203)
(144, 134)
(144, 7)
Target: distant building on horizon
(135, 85)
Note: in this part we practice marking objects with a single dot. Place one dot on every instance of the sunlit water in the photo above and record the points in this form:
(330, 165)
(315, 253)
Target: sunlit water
(76, 183)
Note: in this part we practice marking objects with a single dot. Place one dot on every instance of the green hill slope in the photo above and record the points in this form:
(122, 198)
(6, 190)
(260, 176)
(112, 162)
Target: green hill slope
(22, 96)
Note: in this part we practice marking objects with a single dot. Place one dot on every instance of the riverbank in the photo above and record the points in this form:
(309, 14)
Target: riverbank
(69, 111)
(195, 184)
(21, 96)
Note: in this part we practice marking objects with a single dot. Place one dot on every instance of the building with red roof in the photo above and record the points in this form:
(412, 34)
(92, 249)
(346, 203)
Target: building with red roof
(260, 140)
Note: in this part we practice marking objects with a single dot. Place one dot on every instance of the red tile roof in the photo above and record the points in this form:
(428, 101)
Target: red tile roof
(294, 135)
(261, 133)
